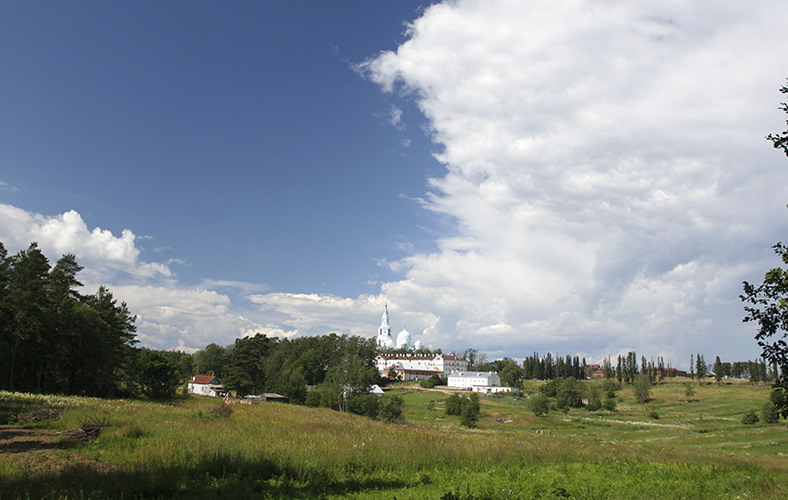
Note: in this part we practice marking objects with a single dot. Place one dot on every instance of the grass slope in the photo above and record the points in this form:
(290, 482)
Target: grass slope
(695, 449)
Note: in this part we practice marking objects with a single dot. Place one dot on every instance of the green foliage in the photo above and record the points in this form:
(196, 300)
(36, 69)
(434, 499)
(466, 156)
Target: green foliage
(53, 338)
(768, 307)
(391, 408)
(539, 404)
(770, 413)
(470, 411)
(550, 388)
(653, 414)
(454, 404)
(155, 374)
(467, 408)
(750, 418)
(688, 389)
(569, 394)
(365, 404)
(609, 404)
(641, 387)
(511, 375)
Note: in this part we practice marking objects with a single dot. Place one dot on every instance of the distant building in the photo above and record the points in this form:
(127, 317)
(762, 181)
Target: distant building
(413, 367)
(470, 380)
(206, 385)
(386, 341)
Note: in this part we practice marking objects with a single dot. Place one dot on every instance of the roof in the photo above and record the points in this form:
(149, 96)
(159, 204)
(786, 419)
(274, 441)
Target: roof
(473, 374)
(205, 379)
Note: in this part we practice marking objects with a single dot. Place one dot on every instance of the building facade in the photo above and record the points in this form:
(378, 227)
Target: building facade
(471, 380)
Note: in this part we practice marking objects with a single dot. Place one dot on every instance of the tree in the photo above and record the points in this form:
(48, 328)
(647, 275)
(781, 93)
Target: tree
(539, 404)
(642, 387)
(391, 408)
(210, 361)
(780, 140)
(768, 307)
(718, 370)
(156, 374)
(512, 375)
(470, 411)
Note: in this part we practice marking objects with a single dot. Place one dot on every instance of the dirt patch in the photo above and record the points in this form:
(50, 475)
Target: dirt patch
(41, 450)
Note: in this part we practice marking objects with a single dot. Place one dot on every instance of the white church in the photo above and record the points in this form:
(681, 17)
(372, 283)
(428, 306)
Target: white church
(412, 366)
(403, 338)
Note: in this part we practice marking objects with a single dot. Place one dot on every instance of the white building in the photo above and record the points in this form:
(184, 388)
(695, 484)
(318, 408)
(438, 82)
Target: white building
(471, 380)
(206, 385)
(414, 367)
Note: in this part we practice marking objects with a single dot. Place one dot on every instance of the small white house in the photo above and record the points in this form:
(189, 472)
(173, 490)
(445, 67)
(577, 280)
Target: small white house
(206, 385)
(469, 380)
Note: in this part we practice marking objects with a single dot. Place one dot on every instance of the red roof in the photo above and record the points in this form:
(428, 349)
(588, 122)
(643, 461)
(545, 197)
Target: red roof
(204, 379)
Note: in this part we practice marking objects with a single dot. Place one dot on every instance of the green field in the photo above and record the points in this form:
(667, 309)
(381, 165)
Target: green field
(695, 449)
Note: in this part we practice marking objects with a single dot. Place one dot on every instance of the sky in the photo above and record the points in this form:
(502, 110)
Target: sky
(579, 177)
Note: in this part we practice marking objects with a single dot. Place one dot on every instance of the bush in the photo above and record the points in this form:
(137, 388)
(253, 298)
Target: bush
(770, 413)
(539, 404)
(653, 414)
(777, 397)
(609, 404)
(750, 418)
(610, 385)
(594, 405)
(454, 404)
(313, 399)
(223, 410)
(470, 412)
(550, 388)
(391, 408)
(365, 404)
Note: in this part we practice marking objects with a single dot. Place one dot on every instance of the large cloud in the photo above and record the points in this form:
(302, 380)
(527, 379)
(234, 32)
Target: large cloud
(605, 166)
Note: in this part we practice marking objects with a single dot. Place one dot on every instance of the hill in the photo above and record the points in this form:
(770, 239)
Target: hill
(96, 448)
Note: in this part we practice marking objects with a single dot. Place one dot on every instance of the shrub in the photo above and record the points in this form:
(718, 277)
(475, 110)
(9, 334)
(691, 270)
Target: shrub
(770, 413)
(539, 404)
(777, 397)
(610, 385)
(470, 412)
(550, 388)
(653, 414)
(391, 408)
(750, 418)
(365, 404)
(609, 404)
(223, 410)
(594, 405)
(313, 399)
(454, 404)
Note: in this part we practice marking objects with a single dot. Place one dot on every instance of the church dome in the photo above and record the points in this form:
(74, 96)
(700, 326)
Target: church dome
(403, 339)
(389, 342)
(417, 345)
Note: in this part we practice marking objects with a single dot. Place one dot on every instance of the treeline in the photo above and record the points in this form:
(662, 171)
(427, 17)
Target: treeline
(53, 339)
(624, 368)
(253, 365)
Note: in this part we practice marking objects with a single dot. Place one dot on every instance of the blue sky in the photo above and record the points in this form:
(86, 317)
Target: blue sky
(579, 177)
(237, 137)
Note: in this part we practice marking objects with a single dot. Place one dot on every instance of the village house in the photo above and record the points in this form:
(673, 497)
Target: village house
(206, 385)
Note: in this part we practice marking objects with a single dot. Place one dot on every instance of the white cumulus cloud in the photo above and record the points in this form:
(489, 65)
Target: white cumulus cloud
(605, 167)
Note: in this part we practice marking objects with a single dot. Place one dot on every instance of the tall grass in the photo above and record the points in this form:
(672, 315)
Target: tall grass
(183, 449)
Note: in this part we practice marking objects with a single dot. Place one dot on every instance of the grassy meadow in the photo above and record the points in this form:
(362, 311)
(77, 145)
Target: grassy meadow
(183, 449)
